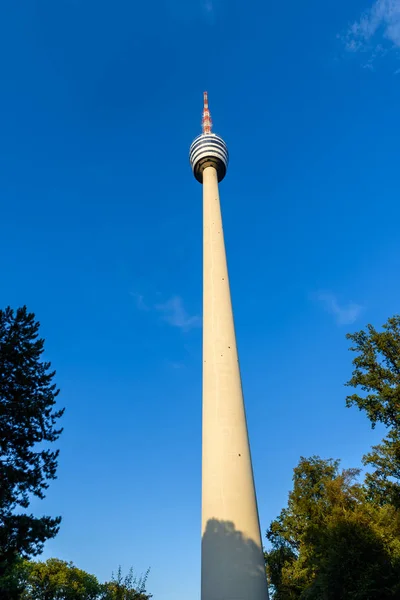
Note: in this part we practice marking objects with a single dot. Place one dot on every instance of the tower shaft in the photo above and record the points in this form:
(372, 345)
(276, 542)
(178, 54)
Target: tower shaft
(232, 558)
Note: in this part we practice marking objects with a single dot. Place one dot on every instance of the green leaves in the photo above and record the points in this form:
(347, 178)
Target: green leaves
(58, 580)
(331, 542)
(126, 588)
(377, 372)
(339, 538)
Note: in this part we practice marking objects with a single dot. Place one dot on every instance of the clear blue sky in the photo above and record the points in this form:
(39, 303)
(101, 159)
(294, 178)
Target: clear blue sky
(101, 238)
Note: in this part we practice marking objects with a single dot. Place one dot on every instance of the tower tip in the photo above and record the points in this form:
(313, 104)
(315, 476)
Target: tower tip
(206, 122)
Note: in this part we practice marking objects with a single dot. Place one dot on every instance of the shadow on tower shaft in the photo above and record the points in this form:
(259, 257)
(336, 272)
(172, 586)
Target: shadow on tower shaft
(241, 569)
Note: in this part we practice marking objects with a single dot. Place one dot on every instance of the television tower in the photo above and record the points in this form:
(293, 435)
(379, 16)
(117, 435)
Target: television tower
(232, 560)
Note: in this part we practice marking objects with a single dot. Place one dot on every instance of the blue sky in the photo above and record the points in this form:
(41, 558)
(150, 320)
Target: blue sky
(101, 238)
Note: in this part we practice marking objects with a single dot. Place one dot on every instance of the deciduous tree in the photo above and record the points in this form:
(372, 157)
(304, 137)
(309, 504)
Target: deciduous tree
(376, 377)
(126, 588)
(59, 580)
(331, 542)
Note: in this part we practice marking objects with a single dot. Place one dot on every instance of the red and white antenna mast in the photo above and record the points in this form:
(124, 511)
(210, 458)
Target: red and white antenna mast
(206, 122)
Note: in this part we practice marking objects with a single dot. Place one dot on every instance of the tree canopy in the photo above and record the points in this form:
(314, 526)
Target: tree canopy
(331, 542)
(56, 579)
(28, 426)
(28, 422)
(376, 378)
(59, 580)
(339, 536)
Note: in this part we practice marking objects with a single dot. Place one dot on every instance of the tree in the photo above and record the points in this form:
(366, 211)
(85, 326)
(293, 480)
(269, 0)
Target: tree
(56, 579)
(288, 565)
(13, 582)
(331, 542)
(27, 424)
(59, 580)
(377, 376)
(126, 588)
(338, 538)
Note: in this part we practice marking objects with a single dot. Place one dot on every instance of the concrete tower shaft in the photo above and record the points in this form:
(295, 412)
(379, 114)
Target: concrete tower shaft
(232, 557)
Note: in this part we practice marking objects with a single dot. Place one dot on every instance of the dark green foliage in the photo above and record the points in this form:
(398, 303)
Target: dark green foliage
(353, 560)
(338, 538)
(13, 582)
(377, 372)
(27, 424)
(384, 480)
(331, 543)
(280, 558)
(377, 376)
(288, 563)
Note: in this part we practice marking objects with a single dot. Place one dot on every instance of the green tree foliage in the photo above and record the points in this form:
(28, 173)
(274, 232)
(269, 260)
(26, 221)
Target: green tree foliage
(126, 588)
(13, 582)
(376, 376)
(59, 580)
(56, 579)
(27, 424)
(331, 543)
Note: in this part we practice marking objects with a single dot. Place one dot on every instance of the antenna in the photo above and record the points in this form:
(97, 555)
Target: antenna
(206, 121)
